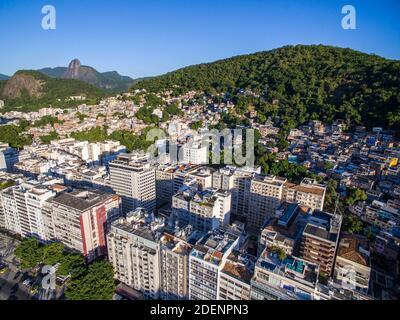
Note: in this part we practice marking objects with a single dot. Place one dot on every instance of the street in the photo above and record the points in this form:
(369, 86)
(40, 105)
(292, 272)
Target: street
(11, 283)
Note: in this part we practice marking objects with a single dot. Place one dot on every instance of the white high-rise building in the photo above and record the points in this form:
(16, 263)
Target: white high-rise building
(22, 209)
(10, 211)
(134, 251)
(205, 210)
(132, 176)
(175, 248)
(206, 261)
(265, 196)
(308, 193)
(195, 153)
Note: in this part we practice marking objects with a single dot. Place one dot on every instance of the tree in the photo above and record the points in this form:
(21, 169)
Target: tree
(73, 264)
(50, 137)
(53, 253)
(293, 84)
(352, 224)
(355, 195)
(14, 136)
(96, 284)
(280, 252)
(30, 252)
(6, 184)
(196, 125)
(331, 194)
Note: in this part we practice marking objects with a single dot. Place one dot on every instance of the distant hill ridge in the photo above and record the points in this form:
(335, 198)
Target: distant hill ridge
(308, 82)
(29, 90)
(111, 81)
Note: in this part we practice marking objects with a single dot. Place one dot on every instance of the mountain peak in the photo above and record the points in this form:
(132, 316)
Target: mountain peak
(73, 70)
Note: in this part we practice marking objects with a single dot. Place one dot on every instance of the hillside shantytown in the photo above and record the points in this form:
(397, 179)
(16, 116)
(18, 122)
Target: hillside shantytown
(316, 218)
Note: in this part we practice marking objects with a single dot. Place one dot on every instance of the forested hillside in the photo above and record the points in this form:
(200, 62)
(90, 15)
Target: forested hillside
(304, 82)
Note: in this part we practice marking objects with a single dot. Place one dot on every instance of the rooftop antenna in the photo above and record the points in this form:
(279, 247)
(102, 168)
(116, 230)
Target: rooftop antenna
(336, 205)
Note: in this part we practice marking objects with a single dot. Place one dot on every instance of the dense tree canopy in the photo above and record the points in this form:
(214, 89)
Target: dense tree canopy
(95, 284)
(13, 135)
(93, 281)
(298, 83)
(354, 195)
(125, 137)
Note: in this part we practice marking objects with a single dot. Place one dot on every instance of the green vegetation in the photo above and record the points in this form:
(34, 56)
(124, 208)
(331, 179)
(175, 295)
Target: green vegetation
(6, 184)
(50, 137)
(196, 125)
(12, 135)
(88, 282)
(132, 141)
(97, 283)
(54, 92)
(119, 115)
(173, 109)
(331, 195)
(30, 252)
(231, 121)
(283, 168)
(355, 195)
(299, 83)
(81, 116)
(44, 121)
(96, 134)
(145, 114)
(152, 101)
(353, 224)
(125, 137)
(280, 252)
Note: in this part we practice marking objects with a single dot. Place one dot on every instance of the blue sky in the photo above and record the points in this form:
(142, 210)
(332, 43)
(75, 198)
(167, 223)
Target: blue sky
(143, 38)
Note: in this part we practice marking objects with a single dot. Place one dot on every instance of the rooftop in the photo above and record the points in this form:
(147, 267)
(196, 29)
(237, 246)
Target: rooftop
(82, 199)
(213, 246)
(240, 266)
(290, 267)
(354, 248)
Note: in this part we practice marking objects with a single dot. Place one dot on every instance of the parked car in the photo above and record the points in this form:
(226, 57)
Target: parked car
(28, 282)
(17, 275)
(3, 268)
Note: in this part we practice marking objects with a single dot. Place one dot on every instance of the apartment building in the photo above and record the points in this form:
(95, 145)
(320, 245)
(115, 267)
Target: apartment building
(255, 197)
(266, 193)
(30, 198)
(132, 177)
(202, 176)
(175, 248)
(353, 264)
(308, 193)
(206, 261)
(284, 231)
(320, 240)
(235, 277)
(290, 278)
(238, 181)
(10, 211)
(169, 179)
(203, 209)
(134, 251)
(22, 209)
(8, 157)
(2, 216)
(195, 153)
(79, 219)
(382, 215)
